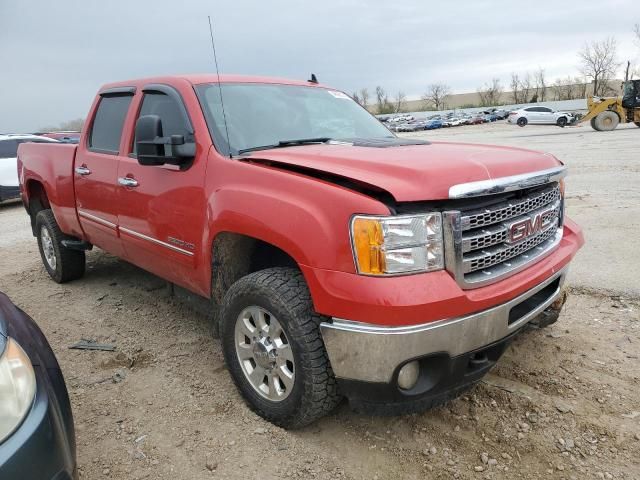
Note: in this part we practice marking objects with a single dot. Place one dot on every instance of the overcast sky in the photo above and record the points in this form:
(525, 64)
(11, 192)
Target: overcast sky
(55, 54)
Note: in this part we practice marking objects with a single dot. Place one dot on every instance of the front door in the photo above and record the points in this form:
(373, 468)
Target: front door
(96, 172)
(162, 208)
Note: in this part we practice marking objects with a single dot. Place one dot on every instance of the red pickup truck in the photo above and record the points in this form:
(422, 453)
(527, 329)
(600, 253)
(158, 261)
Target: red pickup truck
(340, 259)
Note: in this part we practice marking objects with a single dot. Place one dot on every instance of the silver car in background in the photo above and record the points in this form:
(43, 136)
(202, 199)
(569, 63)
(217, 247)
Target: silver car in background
(9, 188)
(539, 116)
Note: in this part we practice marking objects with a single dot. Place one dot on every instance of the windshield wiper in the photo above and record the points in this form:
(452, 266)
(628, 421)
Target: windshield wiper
(303, 141)
(286, 143)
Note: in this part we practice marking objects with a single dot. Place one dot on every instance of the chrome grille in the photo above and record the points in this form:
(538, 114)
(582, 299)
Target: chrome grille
(502, 253)
(512, 209)
(485, 245)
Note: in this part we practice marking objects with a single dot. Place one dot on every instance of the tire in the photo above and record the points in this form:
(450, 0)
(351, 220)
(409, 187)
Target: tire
(62, 264)
(259, 298)
(637, 124)
(562, 122)
(522, 122)
(606, 121)
(593, 124)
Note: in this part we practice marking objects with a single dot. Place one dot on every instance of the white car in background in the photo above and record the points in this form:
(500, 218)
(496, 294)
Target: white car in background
(539, 116)
(9, 188)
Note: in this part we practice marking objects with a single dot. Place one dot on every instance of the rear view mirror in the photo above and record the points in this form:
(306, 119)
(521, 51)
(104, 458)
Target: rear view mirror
(150, 144)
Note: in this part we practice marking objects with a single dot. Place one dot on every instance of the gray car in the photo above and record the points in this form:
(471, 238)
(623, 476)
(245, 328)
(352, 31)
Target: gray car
(37, 439)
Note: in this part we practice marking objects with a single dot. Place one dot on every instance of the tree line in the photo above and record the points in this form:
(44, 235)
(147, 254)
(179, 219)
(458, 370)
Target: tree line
(598, 65)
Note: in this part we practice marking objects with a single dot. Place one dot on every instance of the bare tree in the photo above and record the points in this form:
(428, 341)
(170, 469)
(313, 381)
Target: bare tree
(580, 87)
(364, 97)
(599, 63)
(382, 101)
(515, 88)
(68, 126)
(399, 102)
(525, 88)
(490, 93)
(557, 89)
(436, 95)
(356, 98)
(541, 85)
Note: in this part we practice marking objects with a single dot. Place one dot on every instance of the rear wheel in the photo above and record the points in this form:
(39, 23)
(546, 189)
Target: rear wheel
(62, 264)
(273, 348)
(522, 122)
(606, 121)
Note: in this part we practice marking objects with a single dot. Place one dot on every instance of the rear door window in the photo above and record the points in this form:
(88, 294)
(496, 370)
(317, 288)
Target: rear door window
(108, 122)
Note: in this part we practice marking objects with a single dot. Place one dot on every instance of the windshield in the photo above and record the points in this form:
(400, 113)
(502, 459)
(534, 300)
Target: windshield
(260, 115)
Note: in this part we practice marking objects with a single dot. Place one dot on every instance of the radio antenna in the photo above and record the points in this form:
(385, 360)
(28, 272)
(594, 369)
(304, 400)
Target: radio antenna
(215, 60)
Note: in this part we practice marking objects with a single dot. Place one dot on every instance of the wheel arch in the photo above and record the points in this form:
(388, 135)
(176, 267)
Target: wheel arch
(36, 201)
(235, 255)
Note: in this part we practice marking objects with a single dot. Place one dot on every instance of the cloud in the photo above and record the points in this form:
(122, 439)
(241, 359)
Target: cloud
(55, 55)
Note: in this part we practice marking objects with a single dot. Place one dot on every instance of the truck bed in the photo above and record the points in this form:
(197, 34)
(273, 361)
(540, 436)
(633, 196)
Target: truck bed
(51, 166)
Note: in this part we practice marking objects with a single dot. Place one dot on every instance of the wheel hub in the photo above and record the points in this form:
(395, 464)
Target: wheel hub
(47, 248)
(264, 353)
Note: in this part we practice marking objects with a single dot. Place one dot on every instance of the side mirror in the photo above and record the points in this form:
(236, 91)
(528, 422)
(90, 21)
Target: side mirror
(150, 144)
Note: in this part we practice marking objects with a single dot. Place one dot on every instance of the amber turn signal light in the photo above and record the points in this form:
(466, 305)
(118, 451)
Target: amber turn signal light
(367, 243)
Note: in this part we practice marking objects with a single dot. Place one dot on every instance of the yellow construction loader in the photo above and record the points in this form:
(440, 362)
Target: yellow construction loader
(606, 113)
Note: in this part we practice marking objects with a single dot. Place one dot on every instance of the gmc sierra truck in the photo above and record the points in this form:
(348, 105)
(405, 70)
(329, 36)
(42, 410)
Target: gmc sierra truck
(339, 259)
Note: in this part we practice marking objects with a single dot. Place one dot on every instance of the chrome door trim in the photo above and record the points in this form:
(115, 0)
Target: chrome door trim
(99, 220)
(133, 233)
(507, 184)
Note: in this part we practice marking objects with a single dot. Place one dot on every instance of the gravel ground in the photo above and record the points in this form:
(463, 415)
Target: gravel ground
(562, 403)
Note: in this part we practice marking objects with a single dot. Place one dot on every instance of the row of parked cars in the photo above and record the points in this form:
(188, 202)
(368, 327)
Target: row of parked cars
(537, 114)
(9, 189)
(408, 123)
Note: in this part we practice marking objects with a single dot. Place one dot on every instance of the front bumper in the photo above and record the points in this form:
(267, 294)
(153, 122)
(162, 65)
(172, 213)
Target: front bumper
(373, 353)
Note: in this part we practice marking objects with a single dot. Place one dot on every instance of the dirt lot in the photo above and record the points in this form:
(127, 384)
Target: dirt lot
(563, 402)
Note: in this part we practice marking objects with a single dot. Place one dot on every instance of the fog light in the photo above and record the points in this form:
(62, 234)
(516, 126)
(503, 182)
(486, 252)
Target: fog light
(408, 375)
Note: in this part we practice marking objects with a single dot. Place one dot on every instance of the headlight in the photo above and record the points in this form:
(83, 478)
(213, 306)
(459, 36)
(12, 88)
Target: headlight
(397, 245)
(17, 387)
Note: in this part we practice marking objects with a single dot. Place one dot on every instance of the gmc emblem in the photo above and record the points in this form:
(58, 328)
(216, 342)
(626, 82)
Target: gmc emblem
(518, 231)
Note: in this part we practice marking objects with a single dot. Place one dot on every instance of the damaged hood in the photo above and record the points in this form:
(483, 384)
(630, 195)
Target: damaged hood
(410, 172)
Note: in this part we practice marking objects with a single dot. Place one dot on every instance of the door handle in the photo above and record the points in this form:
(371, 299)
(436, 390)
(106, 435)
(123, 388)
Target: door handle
(127, 182)
(82, 170)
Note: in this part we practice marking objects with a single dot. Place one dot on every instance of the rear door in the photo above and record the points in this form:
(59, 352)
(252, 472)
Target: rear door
(96, 170)
(162, 207)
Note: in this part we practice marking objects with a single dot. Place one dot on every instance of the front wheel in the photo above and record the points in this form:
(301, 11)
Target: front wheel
(273, 348)
(637, 124)
(562, 122)
(522, 122)
(606, 121)
(62, 264)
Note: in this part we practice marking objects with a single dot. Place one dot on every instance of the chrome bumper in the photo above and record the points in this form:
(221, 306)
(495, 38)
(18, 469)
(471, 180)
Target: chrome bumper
(365, 352)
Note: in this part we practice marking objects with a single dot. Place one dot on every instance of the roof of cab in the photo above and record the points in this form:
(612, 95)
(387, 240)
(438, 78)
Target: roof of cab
(196, 79)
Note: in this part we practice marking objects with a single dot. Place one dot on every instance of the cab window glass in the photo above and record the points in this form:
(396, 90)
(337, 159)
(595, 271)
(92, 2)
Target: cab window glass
(108, 122)
(169, 112)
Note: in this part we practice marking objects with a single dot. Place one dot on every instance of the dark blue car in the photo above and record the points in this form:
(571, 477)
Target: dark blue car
(36, 426)
(432, 124)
